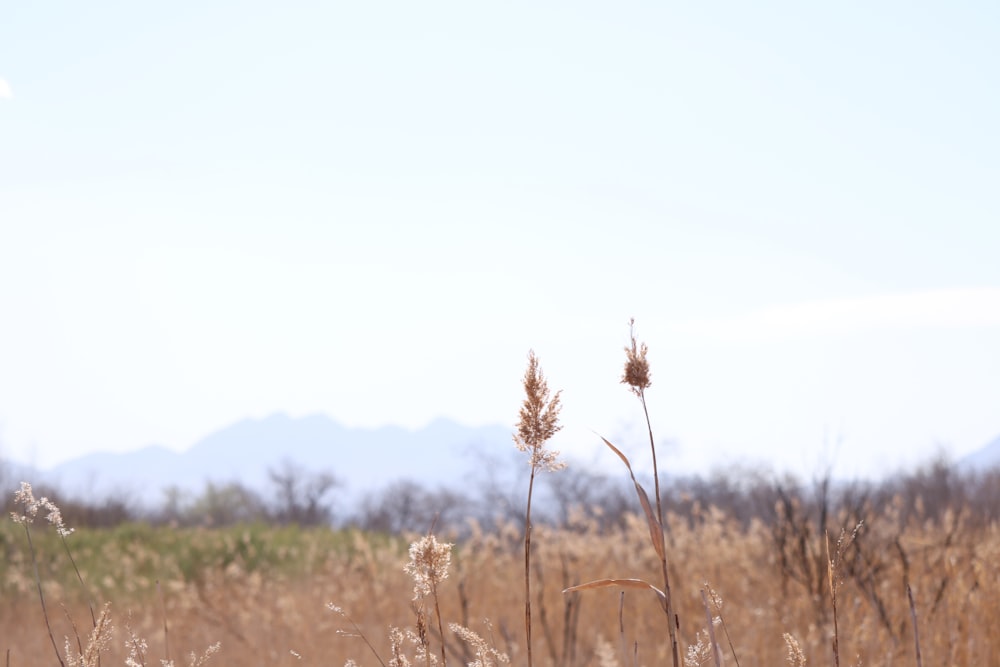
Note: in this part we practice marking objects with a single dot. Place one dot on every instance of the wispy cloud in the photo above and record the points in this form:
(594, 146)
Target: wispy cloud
(5, 92)
(952, 308)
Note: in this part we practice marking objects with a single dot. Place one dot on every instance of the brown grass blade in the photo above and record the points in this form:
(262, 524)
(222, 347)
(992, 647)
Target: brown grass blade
(617, 583)
(655, 529)
(618, 452)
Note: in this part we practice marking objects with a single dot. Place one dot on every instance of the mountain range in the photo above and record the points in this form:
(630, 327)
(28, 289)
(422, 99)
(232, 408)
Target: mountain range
(442, 454)
(362, 460)
(984, 458)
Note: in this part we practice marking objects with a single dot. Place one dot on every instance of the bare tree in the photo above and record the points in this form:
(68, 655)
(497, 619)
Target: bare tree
(581, 494)
(299, 494)
(222, 505)
(406, 506)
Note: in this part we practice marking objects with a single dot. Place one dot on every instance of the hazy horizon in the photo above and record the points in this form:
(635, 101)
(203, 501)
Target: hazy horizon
(577, 454)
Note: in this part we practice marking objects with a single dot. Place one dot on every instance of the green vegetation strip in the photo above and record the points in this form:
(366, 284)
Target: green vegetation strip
(135, 556)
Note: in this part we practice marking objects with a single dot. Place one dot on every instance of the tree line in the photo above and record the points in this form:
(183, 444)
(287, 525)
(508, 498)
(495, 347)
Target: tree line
(296, 495)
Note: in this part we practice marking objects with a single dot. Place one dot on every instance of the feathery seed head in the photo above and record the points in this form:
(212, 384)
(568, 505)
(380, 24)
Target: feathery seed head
(195, 660)
(714, 597)
(54, 517)
(700, 652)
(486, 655)
(428, 566)
(25, 497)
(796, 658)
(98, 641)
(636, 374)
(539, 419)
(399, 658)
(137, 649)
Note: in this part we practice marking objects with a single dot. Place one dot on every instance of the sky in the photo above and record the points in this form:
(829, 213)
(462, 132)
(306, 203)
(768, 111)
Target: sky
(220, 210)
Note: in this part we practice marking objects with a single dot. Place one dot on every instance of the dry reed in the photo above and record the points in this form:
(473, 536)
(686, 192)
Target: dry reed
(539, 421)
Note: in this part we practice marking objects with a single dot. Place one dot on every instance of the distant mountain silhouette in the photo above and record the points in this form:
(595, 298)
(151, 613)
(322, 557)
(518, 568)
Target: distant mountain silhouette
(442, 453)
(986, 458)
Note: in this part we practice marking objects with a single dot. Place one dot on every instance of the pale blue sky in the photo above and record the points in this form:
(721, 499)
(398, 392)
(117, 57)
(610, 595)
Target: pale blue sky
(218, 210)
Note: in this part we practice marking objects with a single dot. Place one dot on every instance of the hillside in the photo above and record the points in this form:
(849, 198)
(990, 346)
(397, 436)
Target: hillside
(362, 459)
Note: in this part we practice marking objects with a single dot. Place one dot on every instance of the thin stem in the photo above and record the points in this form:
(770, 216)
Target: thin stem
(72, 623)
(916, 634)
(359, 633)
(621, 626)
(527, 567)
(437, 613)
(137, 649)
(41, 597)
(79, 577)
(711, 629)
(832, 576)
(668, 605)
(652, 448)
(722, 621)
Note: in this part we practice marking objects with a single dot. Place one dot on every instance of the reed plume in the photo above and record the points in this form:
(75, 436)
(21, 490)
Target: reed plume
(538, 423)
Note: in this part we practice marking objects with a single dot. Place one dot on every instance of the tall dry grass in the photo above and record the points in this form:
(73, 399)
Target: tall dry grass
(857, 583)
(539, 421)
(261, 614)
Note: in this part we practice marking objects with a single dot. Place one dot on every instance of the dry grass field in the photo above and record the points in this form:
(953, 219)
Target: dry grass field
(866, 580)
(263, 593)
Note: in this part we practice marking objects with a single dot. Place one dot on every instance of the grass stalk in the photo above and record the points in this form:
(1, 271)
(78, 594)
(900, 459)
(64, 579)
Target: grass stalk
(832, 579)
(527, 567)
(79, 577)
(358, 632)
(913, 616)
(621, 627)
(437, 615)
(717, 603)
(637, 377)
(539, 421)
(834, 564)
(711, 629)
(672, 620)
(41, 595)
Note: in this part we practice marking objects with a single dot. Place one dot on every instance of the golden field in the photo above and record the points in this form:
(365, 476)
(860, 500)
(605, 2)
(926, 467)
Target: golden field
(263, 592)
